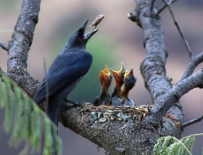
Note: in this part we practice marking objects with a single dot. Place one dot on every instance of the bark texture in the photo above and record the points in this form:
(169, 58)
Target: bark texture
(19, 46)
(153, 69)
(117, 137)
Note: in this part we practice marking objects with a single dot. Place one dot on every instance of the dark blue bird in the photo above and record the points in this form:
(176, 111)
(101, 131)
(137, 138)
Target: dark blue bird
(65, 72)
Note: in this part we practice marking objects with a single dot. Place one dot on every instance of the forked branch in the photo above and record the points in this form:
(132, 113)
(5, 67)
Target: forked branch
(192, 65)
(181, 88)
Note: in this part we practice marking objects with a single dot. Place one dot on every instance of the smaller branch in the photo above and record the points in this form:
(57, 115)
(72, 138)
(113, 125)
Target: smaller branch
(132, 16)
(163, 7)
(4, 46)
(152, 5)
(179, 29)
(192, 65)
(193, 121)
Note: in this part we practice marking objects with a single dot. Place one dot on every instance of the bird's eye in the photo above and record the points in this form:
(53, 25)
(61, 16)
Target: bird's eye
(79, 39)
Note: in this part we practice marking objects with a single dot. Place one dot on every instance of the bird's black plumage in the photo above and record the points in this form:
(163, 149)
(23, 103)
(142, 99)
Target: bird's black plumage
(66, 69)
(65, 72)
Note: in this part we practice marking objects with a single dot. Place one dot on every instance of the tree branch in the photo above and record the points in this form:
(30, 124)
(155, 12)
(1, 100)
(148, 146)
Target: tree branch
(192, 65)
(153, 67)
(162, 8)
(117, 137)
(181, 88)
(193, 121)
(4, 45)
(152, 5)
(19, 46)
(179, 29)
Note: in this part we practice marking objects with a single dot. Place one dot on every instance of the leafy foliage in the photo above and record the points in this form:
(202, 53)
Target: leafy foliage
(172, 146)
(25, 120)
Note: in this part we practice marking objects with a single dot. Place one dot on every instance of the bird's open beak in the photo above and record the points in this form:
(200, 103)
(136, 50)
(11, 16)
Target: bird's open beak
(84, 26)
(87, 36)
(105, 78)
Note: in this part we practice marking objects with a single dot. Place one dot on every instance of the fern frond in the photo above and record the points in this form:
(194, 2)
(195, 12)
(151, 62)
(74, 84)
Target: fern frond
(8, 104)
(188, 142)
(17, 117)
(166, 142)
(36, 137)
(2, 93)
(26, 126)
(157, 146)
(173, 148)
(27, 119)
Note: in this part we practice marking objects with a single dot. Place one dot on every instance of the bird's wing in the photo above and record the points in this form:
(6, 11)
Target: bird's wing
(64, 71)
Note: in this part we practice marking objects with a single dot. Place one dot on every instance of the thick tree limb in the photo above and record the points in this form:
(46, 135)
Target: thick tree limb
(117, 137)
(192, 65)
(153, 66)
(19, 46)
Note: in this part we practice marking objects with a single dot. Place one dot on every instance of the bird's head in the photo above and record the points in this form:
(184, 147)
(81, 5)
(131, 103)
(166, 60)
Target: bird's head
(105, 78)
(129, 79)
(119, 76)
(79, 39)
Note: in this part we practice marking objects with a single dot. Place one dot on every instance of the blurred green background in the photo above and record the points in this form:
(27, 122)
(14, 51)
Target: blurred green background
(118, 40)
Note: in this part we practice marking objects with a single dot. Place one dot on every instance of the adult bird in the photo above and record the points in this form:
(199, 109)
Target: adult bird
(65, 72)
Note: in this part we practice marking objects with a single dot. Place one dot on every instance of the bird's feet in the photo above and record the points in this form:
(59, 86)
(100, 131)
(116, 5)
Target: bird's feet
(69, 104)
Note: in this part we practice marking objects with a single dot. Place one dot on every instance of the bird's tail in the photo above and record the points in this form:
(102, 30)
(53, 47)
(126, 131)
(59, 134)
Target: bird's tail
(53, 112)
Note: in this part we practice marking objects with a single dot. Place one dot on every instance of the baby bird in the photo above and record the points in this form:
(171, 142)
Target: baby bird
(129, 83)
(105, 79)
(119, 77)
(122, 99)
